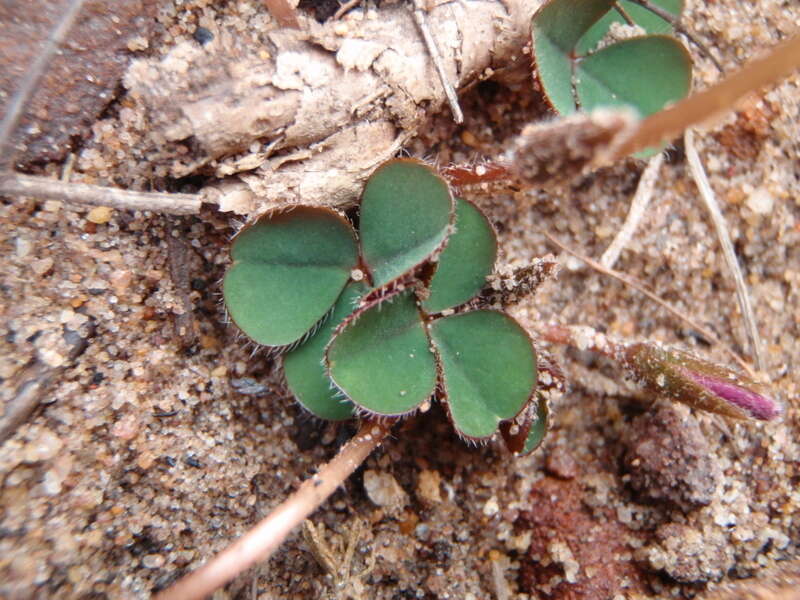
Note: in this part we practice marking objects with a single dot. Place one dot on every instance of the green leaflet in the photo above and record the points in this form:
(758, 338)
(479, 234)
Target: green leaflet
(466, 261)
(556, 28)
(622, 74)
(304, 367)
(288, 269)
(381, 358)
(406, 210)
(488, 369)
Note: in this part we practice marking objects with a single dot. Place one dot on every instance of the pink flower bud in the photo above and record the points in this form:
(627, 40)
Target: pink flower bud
(698, 383)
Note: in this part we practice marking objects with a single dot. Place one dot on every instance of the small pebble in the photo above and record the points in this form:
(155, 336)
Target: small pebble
(382, 488)
(491, 507)
(202, 36)
(428, 486)
(760, 201)
(561, 464)
(44, 447)
(153, 561)
(42, 266)
(127, 428)
(99, 215)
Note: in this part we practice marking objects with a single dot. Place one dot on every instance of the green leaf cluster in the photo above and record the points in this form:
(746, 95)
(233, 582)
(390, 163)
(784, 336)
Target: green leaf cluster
(380, 321)
(578, 70)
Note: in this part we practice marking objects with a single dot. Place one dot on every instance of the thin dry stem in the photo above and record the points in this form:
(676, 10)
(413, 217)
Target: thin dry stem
(781, 582)
(630, 281)
(721, 97)
(15, 184)
(581, 337)
(344, 8)
(284, 13)
(707, 194)
(436, 57)
(261, 541)
(641, 199)
(31, 80)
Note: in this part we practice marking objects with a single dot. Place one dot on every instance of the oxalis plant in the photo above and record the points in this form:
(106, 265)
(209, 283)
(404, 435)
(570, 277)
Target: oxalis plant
(381, 319)
(600, 53)
(380, 322)
(378, 312)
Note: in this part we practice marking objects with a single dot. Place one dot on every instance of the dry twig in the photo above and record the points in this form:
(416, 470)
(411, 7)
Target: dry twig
(15, 184)
(436, 57)
(261, 541)
(350, 4)
(630, 281)
(641, 199)
(781, 582)
(707, 194)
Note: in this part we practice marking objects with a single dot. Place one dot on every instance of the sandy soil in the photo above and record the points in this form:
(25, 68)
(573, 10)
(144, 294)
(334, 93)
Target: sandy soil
(165, 437)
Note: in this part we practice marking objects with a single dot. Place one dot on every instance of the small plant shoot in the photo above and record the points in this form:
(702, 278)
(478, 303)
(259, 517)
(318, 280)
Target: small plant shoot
(651, 23)
(383, 325)
(582, 65)
(405, 332)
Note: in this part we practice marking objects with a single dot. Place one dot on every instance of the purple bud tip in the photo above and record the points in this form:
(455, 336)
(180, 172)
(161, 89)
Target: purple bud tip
(756, 405)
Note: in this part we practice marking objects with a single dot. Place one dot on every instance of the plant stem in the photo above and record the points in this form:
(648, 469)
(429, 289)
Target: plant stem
(14, 184)
(663, 125)
(639, 204)
(707, 195)
(581, 337)
(261, 541)
(630, 281)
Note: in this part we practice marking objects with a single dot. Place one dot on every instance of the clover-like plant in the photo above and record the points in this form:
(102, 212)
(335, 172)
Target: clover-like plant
(581, 69)
(381, 323)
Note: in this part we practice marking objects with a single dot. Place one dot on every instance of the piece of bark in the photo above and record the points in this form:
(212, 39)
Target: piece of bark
(308, 114)
(82, 78)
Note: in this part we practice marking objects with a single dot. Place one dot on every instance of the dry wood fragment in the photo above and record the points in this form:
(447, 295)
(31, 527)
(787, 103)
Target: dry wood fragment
(16, 184)
(284, 13)
(305, 115)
